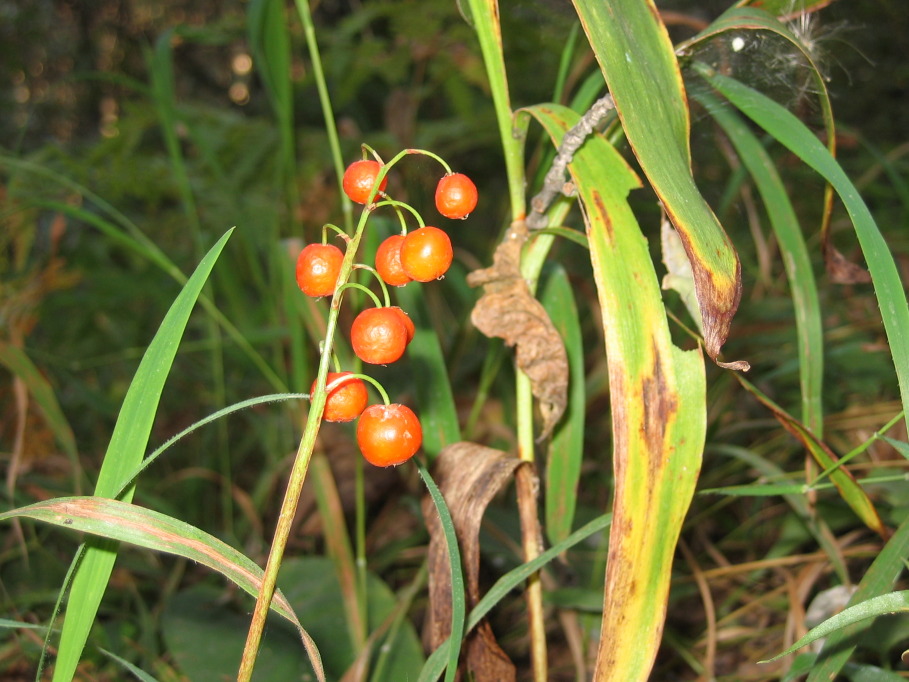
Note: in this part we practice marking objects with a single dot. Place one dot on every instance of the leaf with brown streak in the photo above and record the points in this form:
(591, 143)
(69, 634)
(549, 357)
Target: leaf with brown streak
(509, 311)
(469, 476)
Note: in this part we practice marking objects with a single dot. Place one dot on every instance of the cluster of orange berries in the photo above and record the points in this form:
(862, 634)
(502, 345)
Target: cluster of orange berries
(387, 434)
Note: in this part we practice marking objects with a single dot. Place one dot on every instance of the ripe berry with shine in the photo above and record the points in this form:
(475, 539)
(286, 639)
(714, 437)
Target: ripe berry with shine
(318, 266)
(359, 178)
(378, 335)
(456, 196)
(388, 435)
(426, 254)
(388, 262)
(346, 401)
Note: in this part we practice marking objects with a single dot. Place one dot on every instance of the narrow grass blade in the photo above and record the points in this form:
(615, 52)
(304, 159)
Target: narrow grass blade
(796, 137)
(21, 366)
(458, 600)
(435, 664)
(566, 450)
(796, 260)
(124, 454)
(136, 672)
(223, 412)
(894, 602)
(658, 402)
(879, 579)
(851, 492)
(640, 67)
(124, 522)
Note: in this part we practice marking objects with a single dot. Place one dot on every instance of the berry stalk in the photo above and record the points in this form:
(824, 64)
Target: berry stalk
(306, 446)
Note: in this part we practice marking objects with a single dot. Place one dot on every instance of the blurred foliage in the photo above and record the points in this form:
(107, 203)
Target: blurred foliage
(74, 84)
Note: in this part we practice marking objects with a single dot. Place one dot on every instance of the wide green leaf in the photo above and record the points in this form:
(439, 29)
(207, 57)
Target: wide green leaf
(641, 70)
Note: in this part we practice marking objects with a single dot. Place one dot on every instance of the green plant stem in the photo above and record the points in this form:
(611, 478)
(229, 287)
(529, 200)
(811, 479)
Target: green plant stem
(307, 444)
(331, 129)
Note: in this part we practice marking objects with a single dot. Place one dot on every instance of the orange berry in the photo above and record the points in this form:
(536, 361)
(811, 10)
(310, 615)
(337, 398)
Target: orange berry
(388, 434)
(388, 262)
(456, 196)
(359, 179)
(378, 336)
(346, 400)
(318, 266)
(426, 254)
(408, 323)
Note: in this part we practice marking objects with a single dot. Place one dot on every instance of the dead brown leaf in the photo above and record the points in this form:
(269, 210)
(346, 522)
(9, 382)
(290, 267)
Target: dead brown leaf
(469, 476)
(508, 310)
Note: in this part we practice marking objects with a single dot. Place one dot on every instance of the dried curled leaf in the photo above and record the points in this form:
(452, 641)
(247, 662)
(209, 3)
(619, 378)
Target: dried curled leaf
(509, 311)
(469, 476)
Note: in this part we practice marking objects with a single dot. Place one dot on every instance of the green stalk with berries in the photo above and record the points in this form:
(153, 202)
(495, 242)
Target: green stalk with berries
(388, 434)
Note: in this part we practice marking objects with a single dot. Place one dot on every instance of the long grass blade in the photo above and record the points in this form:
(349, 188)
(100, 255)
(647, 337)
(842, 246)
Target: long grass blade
(435, 664)
(124, 522)
(796, 137)
(796, 260)
(124, 453)
(879, 579)
(458, 599)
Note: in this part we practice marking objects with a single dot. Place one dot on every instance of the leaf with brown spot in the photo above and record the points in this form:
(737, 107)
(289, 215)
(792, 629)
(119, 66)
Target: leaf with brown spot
(508, 310)
(469, 476)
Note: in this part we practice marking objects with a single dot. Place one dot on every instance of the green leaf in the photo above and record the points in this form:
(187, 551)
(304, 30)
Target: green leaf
(640, 67)
(566, 450)
(124, 454)
(796, 137)
(124, 522)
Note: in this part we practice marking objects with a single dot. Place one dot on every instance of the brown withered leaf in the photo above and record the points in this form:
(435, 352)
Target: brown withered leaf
(469, 476)
(509, 311)
(841, 270)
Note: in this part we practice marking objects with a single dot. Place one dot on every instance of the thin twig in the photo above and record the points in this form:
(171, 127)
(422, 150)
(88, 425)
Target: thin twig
(554, 184)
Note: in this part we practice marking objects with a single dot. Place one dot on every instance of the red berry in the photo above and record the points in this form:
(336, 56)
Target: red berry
(346, 400)
(318, 266)
(456, 196)
(388, 262)
(378, 336)
(408, 323)
(388, 434)
(426, 254)
(359, 179)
